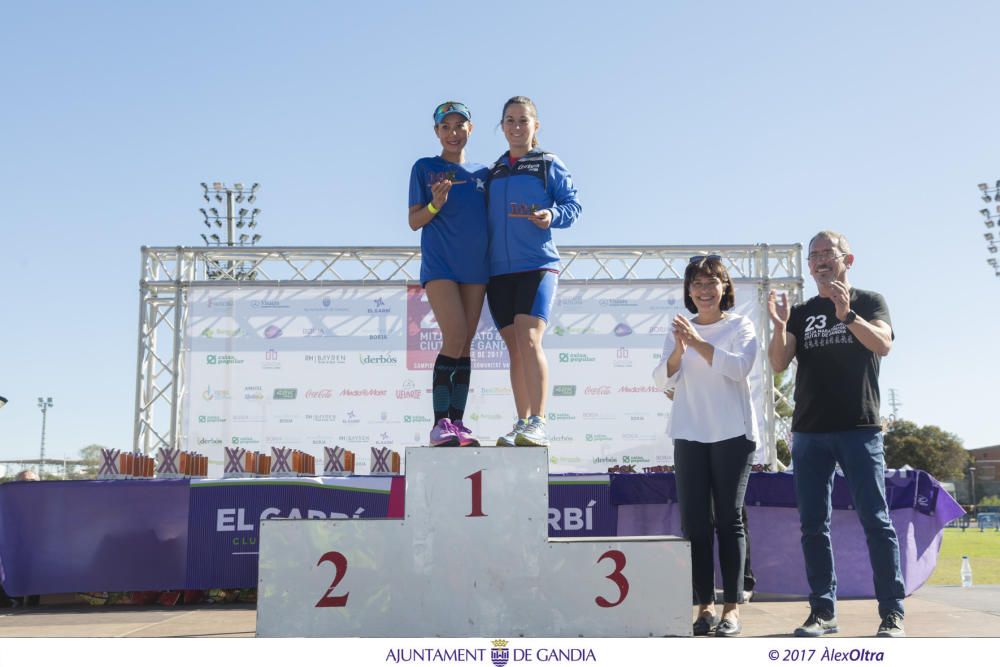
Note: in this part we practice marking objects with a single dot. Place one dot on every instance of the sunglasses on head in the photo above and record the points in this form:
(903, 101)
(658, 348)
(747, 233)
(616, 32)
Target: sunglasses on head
(694, 259)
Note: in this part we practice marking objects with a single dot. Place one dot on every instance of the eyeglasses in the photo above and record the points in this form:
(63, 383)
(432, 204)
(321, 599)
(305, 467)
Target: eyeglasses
(824, 254)
(694, 259)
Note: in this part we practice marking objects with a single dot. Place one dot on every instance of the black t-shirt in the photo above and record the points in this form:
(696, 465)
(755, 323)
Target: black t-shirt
(836, 385)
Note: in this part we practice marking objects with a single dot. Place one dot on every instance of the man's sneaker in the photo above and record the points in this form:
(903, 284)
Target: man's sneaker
(892, 625)
(464, 434)
(532, 435)
(817, 626)
(508, 440)
(443, 434)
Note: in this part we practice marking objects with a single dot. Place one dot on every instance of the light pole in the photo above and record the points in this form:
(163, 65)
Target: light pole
(44, 404)
(972, 485)
(992, 235)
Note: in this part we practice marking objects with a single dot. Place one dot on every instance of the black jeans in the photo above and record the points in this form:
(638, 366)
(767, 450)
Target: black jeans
(711, 484)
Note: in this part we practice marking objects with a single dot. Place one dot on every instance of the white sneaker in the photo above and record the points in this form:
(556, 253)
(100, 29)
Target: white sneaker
(533, 434)
(509, 439)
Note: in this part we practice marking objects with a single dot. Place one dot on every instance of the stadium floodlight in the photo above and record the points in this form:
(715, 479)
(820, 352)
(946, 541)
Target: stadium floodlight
(985, 212)
(992, 261)
(230, 219)
(989, 224)
(988, 236)
(3, 401)
(992, 249)
(986, 198)
(205, 194)
(982, 186)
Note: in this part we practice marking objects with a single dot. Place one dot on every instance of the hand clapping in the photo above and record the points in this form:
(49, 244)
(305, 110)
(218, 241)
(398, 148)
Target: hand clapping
(840, 294)
(777, 311)
(684, 331)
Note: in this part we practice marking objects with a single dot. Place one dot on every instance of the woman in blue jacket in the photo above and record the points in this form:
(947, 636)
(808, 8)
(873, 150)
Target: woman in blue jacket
(447, 205)
(529, 192)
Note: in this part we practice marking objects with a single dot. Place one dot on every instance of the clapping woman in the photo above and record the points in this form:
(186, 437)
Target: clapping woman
(707, 362)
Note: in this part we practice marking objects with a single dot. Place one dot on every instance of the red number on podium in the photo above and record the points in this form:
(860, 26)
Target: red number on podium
(477, 493)
(339, 561)
(617, 577)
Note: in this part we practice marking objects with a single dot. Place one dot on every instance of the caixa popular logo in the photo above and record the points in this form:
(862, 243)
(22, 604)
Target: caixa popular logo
(564, 390)
(382, 359)
(285, 393)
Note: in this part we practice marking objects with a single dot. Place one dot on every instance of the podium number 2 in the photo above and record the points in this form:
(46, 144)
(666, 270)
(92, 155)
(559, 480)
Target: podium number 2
(617, 577)
(339, 561)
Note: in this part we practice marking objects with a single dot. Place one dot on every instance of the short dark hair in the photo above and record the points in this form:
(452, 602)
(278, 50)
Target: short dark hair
(710, 267)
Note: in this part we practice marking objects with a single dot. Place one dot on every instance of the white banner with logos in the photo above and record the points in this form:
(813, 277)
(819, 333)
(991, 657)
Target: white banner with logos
(309, 367)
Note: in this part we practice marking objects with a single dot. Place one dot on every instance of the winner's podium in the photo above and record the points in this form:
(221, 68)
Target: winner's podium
(471, 558)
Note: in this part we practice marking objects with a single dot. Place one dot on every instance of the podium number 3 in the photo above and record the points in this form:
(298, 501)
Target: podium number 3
(339, 561)
(617, 577)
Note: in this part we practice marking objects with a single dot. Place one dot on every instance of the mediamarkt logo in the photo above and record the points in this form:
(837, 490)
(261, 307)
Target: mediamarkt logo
(636, 389)
(362, 393)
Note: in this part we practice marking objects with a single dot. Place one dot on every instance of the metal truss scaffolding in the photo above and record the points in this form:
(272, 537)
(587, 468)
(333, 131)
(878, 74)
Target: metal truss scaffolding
(169, 273)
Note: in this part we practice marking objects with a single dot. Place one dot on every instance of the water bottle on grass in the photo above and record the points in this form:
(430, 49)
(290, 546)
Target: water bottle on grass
(966, 572)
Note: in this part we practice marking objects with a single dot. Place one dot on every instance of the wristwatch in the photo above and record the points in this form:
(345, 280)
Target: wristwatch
(850, 317)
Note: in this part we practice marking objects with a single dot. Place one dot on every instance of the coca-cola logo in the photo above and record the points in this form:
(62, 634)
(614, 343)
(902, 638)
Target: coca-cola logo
(597, 391)
(319, 393)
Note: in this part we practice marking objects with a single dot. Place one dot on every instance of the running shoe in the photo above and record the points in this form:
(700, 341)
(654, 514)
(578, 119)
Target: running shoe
(508, 440)
(443, 434)
(464, 434)
(533, 434)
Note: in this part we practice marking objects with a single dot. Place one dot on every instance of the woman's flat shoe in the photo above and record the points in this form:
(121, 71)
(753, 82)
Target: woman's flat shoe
(704, 625)
(728, 628)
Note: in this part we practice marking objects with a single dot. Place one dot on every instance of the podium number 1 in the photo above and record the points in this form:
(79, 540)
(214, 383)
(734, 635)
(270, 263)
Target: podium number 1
(476, 479)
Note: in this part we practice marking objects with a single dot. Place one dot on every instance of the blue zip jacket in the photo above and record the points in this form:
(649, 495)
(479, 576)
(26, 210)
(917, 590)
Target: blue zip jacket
(538, 180)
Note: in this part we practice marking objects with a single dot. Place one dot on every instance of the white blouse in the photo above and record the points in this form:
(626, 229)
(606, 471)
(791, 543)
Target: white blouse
(712, 401)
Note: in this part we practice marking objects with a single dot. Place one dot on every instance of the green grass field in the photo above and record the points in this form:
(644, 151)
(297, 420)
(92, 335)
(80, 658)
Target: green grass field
(983, 550)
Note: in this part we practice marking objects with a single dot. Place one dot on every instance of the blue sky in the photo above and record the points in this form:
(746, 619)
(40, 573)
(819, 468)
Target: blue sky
(682, 122)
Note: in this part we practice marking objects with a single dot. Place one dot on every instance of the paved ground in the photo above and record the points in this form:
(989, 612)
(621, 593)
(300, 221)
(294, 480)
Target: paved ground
(938, 611)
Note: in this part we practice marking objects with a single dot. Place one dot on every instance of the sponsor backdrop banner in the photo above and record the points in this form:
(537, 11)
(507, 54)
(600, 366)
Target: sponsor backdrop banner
(350, 366)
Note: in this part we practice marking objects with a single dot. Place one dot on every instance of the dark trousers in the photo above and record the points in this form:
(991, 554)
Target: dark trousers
(711, 484)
